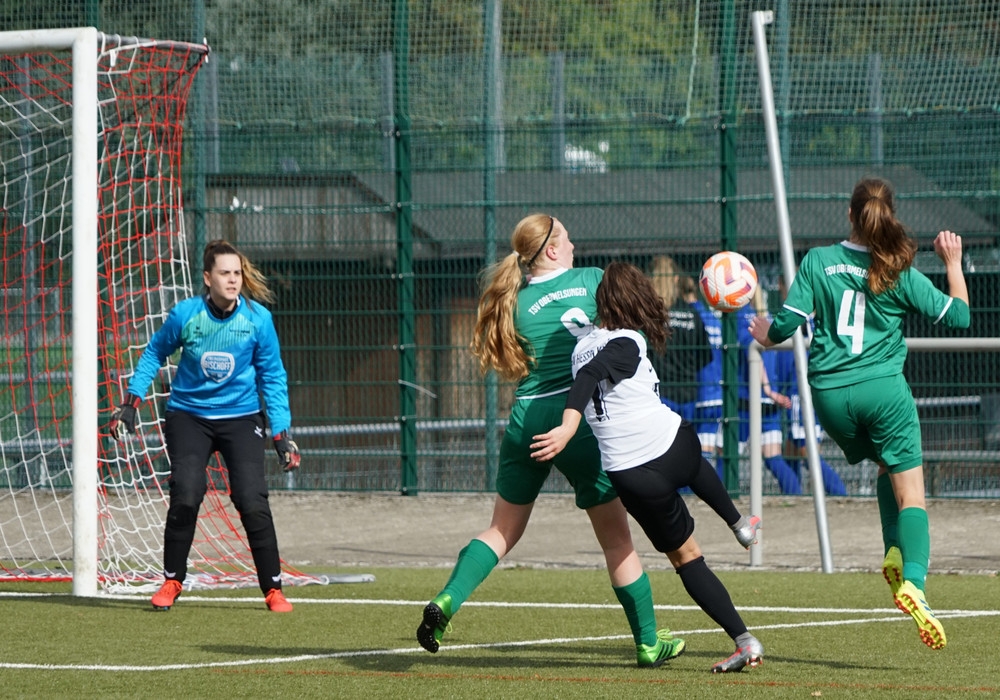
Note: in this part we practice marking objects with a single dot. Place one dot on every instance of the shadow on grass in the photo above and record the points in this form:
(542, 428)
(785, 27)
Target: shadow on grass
(516, 661)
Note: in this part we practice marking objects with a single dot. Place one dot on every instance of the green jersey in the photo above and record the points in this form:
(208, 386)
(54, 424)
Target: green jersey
(857, 334)
(553, 312)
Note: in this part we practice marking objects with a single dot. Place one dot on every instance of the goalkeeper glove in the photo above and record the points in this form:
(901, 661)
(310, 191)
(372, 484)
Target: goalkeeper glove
(288, 451)
(124, 417)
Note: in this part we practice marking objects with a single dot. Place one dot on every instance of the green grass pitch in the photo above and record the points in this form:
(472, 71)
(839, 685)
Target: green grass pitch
(525, 633)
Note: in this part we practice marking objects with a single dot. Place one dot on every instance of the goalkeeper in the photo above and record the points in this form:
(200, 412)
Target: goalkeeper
(230, 357)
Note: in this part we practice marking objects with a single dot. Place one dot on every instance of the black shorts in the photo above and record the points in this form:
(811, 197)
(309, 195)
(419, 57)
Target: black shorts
(649, 491)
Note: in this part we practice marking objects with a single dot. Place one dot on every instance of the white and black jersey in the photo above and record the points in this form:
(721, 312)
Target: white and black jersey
(617, 390)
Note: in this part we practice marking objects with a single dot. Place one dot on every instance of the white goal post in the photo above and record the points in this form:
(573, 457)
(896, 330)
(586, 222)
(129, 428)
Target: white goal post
(93, 255)
(758, 20)
(83, 43)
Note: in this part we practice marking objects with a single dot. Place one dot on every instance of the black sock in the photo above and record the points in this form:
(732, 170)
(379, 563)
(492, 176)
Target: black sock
(707, 591)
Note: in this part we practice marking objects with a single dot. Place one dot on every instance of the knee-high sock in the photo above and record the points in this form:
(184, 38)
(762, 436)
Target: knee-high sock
(915, 545)
(787, 479)
(475, 562)
(711, 595)
(637, 600)
(888, 511)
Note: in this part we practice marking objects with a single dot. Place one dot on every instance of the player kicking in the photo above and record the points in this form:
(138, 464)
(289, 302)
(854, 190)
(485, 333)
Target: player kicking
(647, 450)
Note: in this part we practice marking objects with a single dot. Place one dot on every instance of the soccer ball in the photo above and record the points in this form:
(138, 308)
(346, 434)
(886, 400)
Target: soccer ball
(728, 280)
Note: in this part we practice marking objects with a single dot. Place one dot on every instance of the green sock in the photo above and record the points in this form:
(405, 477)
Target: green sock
(637, 601)
(915, 544)
(475, 562)
(888, 511)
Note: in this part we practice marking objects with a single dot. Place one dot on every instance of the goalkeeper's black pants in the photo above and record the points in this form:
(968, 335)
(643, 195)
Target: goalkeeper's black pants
(191, 442)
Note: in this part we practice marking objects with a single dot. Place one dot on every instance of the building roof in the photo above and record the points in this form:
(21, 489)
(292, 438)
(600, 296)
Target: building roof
(610, 214)
(646, 211)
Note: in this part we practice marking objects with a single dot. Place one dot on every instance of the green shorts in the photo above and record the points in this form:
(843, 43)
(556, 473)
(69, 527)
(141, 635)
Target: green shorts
(520, 478)
(874, 419)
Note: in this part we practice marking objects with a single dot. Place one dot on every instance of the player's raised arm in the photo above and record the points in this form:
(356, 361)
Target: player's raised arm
(948, 247)
(759, 326)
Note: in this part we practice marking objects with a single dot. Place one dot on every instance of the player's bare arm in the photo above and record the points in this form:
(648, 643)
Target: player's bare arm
(548, 445)
(948, 247)
(758, 329)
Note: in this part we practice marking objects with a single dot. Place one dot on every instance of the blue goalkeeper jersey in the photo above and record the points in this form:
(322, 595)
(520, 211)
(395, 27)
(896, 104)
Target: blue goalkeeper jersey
(225, 364)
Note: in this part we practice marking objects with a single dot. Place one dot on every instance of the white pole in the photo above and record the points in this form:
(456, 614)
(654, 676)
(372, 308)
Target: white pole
(759, 19)
(754, 363)
(85, 312)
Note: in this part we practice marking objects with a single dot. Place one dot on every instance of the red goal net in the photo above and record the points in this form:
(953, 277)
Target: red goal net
(143, 270)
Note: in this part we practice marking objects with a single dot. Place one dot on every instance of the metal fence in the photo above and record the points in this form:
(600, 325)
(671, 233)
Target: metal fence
(373, 156)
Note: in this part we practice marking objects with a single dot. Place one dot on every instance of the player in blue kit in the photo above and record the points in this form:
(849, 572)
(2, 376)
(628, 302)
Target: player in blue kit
(771, 402)
(230, 356)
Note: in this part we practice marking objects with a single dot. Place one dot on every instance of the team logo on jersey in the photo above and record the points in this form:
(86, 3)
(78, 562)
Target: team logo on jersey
(218, 366)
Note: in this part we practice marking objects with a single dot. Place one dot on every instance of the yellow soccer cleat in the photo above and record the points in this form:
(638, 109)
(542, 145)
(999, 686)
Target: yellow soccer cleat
(910, 600)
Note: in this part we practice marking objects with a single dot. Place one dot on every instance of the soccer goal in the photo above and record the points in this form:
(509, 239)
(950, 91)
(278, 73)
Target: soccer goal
(93, 256)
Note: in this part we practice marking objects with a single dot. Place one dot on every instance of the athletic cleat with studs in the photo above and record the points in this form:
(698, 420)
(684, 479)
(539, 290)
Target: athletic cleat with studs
(746, 534)
(277, 602)
(437, 621)
(910, 600)
(667, 647)
(168, 593)
(750, 654)
(892, 569)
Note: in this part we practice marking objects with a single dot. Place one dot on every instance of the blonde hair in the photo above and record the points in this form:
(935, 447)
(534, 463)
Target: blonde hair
(667, 280)
(495, 340)
(874, 222)
(254, 282)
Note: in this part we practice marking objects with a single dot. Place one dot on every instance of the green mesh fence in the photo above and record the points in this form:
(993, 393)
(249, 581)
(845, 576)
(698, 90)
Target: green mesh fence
(373, 156)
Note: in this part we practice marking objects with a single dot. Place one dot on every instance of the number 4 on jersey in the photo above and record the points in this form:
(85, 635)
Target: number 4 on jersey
(852, 301)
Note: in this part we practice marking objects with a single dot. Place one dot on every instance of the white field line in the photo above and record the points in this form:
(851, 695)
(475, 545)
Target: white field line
(256, 600)
(896, 617)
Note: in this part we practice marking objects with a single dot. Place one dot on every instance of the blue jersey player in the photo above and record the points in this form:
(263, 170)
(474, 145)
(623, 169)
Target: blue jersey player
(230, 358)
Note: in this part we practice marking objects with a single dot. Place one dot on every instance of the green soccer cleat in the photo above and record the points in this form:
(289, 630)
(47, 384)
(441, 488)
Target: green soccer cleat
(437, 621)
(910, 600)
(892, 569)
(666, 648)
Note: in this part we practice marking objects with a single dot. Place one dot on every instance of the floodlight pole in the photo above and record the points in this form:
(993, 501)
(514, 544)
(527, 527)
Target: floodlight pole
(758, 20)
